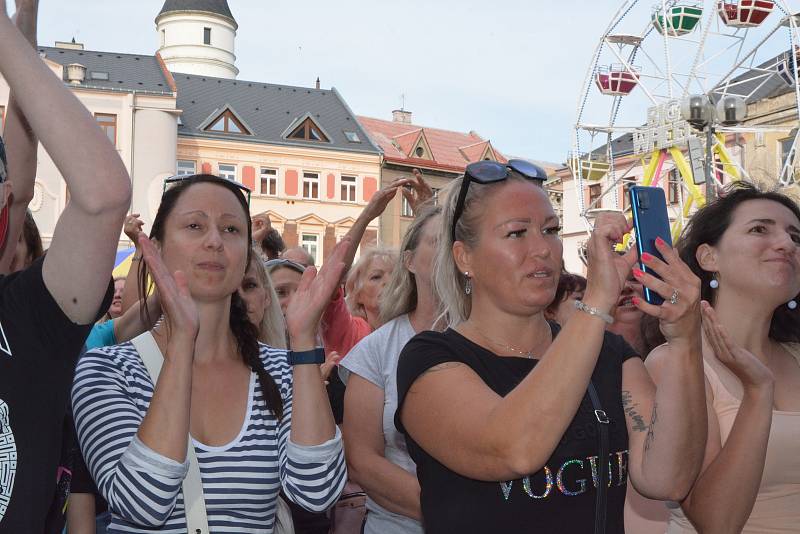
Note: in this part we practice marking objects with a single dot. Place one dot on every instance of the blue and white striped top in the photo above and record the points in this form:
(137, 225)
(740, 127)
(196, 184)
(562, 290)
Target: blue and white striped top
(110, 397)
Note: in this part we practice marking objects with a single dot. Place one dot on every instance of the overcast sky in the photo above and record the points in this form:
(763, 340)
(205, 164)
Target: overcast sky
(509, 69)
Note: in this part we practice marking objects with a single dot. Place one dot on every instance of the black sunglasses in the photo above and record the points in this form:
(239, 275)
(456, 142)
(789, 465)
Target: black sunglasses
(489, 172)
(186, 177)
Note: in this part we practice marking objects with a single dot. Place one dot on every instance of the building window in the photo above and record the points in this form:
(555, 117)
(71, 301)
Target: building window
(435, 195)
(227, 123)
(626, 196)
(308, 131)
(405, 210)
(311, 185)
(595, 192)
(207, 36)
(674, 187)
(786, 148)
(107, 123)
(352, 137)
(269, 182)
(348, 188)
(310, 242)
(227, 171)
(163, 37)
(186, 167)
(419, 152)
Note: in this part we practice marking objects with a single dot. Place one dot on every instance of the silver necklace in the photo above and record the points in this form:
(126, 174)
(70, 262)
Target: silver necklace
(524, 353)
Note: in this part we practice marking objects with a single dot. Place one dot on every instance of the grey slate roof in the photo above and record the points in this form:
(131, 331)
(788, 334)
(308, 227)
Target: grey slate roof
(218, 7)
(269, 110)
(126, 72)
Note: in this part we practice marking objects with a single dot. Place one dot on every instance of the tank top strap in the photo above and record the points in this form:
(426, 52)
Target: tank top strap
(721, 393)
(793, 349)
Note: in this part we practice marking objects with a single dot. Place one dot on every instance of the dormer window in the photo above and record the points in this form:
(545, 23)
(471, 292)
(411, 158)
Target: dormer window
(308, 131)
(227, 123)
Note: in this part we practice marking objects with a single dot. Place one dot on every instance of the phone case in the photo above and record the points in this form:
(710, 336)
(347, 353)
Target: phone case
(650, 221)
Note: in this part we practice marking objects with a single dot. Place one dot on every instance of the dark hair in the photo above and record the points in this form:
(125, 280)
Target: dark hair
(245, 332)
(30, 234)
(708, 225)
(272, 245)
(568, 283)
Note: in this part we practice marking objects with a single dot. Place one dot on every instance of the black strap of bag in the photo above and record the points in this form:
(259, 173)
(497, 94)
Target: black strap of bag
(603, 474)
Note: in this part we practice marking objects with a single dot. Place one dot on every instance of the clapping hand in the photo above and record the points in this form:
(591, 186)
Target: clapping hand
(607, 270)
(313, 296)
(181, 318)
(132, 227)
(752, 373)
(261, 226)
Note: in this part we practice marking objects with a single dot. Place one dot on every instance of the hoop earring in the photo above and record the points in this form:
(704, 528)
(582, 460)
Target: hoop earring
(468, 285)
(714, 283)
(792, 304)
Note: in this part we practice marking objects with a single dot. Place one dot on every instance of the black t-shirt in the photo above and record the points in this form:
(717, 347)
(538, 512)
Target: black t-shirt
(39, 347)
(558, 498)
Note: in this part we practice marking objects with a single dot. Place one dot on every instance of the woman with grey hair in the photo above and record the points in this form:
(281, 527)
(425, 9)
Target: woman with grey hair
(510, 422)
(376, 453)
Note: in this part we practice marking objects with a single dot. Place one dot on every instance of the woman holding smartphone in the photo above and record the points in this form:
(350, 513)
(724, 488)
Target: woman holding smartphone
(505, 414)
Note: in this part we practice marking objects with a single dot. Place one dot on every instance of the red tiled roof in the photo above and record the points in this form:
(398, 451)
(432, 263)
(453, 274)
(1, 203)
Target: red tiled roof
(451, 151)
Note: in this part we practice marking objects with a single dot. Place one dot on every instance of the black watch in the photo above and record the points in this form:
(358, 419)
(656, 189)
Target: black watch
(316, 356)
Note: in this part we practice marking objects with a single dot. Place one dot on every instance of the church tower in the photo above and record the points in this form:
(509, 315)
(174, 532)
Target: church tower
(197, 37)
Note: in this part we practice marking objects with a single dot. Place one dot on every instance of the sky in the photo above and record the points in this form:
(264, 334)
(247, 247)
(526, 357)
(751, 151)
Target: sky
(511, 70)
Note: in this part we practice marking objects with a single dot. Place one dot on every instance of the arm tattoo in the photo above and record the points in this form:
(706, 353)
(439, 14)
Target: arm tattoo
(651, 429)
(629, 407)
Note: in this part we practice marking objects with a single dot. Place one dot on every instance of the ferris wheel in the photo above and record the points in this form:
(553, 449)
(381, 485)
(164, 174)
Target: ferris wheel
(650, 60)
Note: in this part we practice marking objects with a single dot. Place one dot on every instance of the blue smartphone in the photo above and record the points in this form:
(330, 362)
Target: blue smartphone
(650, 221)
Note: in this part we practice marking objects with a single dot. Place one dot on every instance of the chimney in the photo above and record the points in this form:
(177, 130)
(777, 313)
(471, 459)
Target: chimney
(317, 82)
(76, 73)
(72, 45)
(402, 116)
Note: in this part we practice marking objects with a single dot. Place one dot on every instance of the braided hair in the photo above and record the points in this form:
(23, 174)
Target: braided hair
(245, 333)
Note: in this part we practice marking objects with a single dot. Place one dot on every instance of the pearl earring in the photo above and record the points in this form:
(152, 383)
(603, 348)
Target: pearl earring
(468, 285)
(714, 283)
(792, 304)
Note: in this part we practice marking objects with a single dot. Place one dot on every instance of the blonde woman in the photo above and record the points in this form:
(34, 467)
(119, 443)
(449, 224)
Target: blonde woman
(376, 453)
(513, 422)
(263, 308)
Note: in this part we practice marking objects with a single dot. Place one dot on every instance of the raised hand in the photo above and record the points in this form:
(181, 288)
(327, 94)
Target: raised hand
(181, 318)
(419, 191)
(679, 317)
(133, 227)
(377, 204)
(25, 18)
(332, 359)
(261, 227)
(313, 295)
(607, 270)
(752, 373)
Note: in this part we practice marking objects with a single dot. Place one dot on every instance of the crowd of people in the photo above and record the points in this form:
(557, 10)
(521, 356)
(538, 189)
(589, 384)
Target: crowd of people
(463, 383)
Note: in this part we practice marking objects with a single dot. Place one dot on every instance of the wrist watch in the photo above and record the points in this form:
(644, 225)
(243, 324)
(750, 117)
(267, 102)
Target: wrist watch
(316, 356)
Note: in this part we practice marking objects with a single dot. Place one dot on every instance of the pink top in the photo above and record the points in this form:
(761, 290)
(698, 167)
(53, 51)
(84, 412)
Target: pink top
(341, 330)
(777, 506)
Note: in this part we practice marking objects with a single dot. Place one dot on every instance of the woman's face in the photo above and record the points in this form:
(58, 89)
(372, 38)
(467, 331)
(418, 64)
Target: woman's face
(116, 303)
(516, 262)
(758, 254)
(376, 276)
(254, 294)
(625, 311)
(567, 307)
(205, 236)
(421, 259)
(285, 281)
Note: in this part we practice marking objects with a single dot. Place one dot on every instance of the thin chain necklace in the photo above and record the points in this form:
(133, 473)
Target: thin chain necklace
(524, 353)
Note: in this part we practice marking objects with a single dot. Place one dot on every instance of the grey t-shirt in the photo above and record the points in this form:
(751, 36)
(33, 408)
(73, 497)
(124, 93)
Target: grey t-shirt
(374, 358)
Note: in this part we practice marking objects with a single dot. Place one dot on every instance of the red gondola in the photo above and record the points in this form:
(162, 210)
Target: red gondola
(617, 80)
(744, 13)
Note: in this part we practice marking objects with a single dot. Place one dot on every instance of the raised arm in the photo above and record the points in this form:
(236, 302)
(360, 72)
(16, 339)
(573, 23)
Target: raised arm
(132, 228)
(725, 492)
(78, 265)
(21, 146)
(667, 420)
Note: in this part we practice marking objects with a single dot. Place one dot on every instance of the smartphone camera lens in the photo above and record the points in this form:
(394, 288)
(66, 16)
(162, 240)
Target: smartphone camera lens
(644, 200)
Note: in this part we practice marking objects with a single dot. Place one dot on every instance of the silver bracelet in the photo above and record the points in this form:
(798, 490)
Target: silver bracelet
(580, 305)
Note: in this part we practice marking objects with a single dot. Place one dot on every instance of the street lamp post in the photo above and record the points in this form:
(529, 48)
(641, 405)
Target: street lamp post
(700, 112)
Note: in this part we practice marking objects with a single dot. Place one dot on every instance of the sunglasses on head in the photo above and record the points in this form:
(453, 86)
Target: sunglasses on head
(189, 177)
(489, 172)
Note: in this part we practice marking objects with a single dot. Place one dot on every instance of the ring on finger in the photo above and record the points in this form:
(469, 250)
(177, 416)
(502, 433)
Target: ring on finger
(674, 298)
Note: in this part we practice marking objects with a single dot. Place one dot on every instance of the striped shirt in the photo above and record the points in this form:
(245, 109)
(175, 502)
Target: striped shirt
(241, 480)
